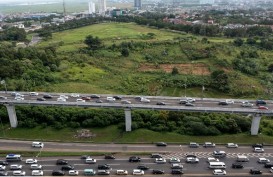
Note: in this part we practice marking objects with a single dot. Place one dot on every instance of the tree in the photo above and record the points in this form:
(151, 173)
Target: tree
(270, 68)
(238, 42)
(93, 43)
(175, 71)
(125, 52)
(220, 80)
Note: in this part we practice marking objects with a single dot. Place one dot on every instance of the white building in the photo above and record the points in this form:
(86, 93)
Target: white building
(102, 7)
(91, 7)
(137, 4)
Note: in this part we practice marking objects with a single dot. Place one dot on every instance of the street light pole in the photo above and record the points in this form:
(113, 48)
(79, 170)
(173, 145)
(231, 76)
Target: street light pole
(185, 93)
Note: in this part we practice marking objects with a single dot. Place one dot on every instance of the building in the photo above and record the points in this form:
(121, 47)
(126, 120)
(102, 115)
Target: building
(91, 7)
(102, 7)
(137, 4)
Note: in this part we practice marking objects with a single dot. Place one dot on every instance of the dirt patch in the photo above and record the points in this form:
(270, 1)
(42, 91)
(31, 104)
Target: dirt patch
(188, 68)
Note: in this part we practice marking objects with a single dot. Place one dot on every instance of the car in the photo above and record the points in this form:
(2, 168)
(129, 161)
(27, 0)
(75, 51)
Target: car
(192, 160)
(85, 157)
(177, 166)
(223, 103)
(161, 103)
(142, 167)
(64, 96)
(90, 160)
(228, 101)
(61, 162)
(86, 98)
(183, 101)
(75, 95)
(138, 172)
(15, 167)
(3, 173)
(57, 173)
(37, 144)
(18, 173)
(189, 104)
(219, 172)
(122, 172)
(174, 160)
(37, 173)
(212, 159)
(80, 100)
(255, 171)
(257, 145)
(263, 107)
(61, 99)
(73, 172)
(2, 162)
(19, 98)
(237, 165)
(208, 144)
(110, 99)
(36, 167)
(177, 172)
(232, 145)
(99, 101)
(156, 171)
(246, 104)
(260, 102)
(219, 154)
(104, 167)
(103, 172)
(48, 96)
(193, 145)
(3, 98)
(94, 96)
(126, 102)
(31, 161)
(109, 157)
(268, 165)
(134, 159)
(257, 149)
(263, 160)
(156, 156)
(163, 144)
(117, 97)
(160, 160)
(33, 94)
(67, 167)
(271, 170)
(2, 167)
(144, 100)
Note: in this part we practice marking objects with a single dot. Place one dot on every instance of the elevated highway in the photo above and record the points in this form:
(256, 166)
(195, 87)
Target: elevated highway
(171, 103)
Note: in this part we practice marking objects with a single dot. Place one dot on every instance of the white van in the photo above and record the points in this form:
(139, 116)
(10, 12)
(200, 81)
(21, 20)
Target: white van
(242, 158)
(90, 160)
(217, 165)
(122, 172)
(37, 144)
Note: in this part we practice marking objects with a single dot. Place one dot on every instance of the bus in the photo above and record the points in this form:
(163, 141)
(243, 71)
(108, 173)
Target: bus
(217, 165)
(13, 158)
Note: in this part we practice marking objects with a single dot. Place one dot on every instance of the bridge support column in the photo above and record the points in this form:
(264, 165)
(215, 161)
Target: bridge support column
(255, 124)
(128, 120)
(12, 115)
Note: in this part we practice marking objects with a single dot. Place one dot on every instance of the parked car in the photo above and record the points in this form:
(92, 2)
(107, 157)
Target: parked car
(237, 165)
(161, 144)
(208, 144)
(255, 171)
(134, 159)
(232, 145)
(61, 162)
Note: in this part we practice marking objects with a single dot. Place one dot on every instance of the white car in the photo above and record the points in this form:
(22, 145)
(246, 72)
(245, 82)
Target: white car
(19, 98)
(192, 160)
(263, 160)
(15, 167)
(246, 104)
(122, 172)
(90, 160)
(160, 160)
(36, 167)
(80, 100)
(232, 145)
(229, 101)
(144, 100)
(174, 160)
(176, 166)
(257, 149)
(219, 172)
(31, 161)
(138, 172)
(73, 172)
(75, 95)
(37, 144)
(2, 167)
(212, 159)
(61, 99)
(110, 99)
(37, 173)
(33, 93)
(18, 173)
(271, 170)
(190, 100)
(64, 96)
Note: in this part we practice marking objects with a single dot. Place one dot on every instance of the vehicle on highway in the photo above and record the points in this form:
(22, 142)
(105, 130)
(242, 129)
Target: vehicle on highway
(157, 171)
(2, 162)
(103, 172)
(192, 160)
(255, 171)
(232, 145)
(18, 173)
(263, 160)
(13, 158)
(86, 98)
(242, 158)
(19, 98)
(73, 172)
(85, 157)
(237, 165)
(41, 99)
(134, 159)
(212, 159)
(138, 172)
(177, 172)
(161, 103)
(268, 165)
(90, 160)
(36, 167)
(75, 95)
(189, 104)
(271, 170)
(223, 103)
(110, 156)
(126, 102)
(33, 94)
(156, 156)
(2, 167)
(217, 165)
(37, 173)
(219, 154)
(64, 96)
(260, 102)
(48, 96)
(259, 150)
(67, 167)
(61, 99)
(110, 99)
(208, 144)
(89, 172)
(117, 97)
(3, 97)
(37, 144)
(122, 172)
(31, 161)
(104, 167)
(174, 160)
(3, 173)
(15, 167)
(57, 173)
(144, 100)
(177, 166)
(99, 101)
(61, 162)
(247, 104)
(161, 144)
(142, 167)
(160, 160)
(263, 107)
(183, 101)
(80, 100)
(193, 145)
(219, 172)
(94, 96)
(257, 145)
(228, 101)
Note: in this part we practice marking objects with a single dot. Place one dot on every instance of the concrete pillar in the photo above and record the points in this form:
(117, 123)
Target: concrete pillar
(128, 120)
(12, 115)
(255, 124)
